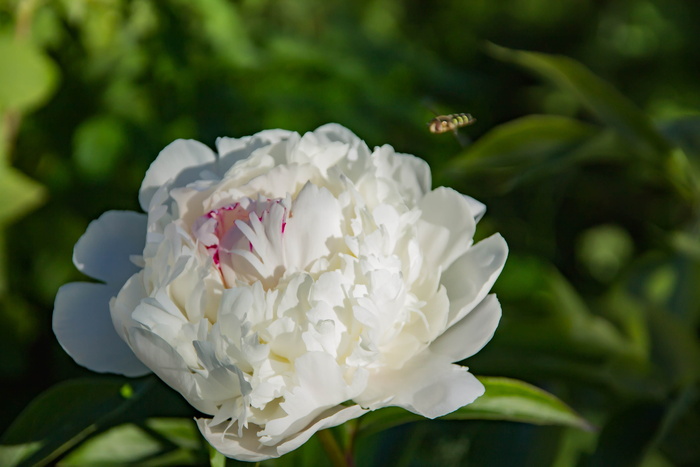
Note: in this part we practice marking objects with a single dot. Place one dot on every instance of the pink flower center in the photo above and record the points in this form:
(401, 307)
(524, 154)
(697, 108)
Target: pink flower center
(224, 220)
(232, 233)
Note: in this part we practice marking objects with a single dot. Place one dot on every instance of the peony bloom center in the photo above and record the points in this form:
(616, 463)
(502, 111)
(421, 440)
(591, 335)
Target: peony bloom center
(244, 240)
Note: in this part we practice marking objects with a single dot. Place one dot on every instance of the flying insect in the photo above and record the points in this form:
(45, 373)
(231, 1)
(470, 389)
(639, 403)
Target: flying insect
(452, 122)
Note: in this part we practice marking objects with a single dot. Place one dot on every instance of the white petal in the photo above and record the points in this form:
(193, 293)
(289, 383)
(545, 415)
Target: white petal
(248, 447)
(83, 327)
(446, 227)
(411, 173)
(477, 208)
(180, 162)
(337, 133)
(168, 365)
(471, 277)
(104, 249)
(321, 385)
(313, 230)
(471, 333)
(428, 385)
(231, 150)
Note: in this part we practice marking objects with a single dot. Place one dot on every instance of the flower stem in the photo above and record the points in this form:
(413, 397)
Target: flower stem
(332, 448)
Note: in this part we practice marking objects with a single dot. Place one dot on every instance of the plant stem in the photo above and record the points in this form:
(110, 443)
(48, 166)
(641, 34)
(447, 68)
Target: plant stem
(332, 448)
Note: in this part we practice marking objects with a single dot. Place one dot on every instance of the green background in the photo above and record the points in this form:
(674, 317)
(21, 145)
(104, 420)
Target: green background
(587, 154)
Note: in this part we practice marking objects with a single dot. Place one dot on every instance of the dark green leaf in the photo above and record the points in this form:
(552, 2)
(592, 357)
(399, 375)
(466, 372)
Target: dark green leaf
(600, 97)
(65, 415)
(627, 435)
(524, 147)
(684, 132)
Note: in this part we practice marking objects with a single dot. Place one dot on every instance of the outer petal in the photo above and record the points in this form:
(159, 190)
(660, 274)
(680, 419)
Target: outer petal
(231, 150)
(181, 162)
(321, 385)
(83, 327)
(104, 249)
(428, 385)
(248, 447)
(471, 333)
(335, 132)
(446, 227)
(168, 365)
(477, 208)
(471, 277)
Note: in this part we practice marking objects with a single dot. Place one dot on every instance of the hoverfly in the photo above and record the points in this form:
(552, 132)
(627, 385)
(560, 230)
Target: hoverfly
(445, 123)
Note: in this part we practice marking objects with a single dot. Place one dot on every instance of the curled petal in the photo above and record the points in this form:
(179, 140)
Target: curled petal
(477, 208)
(180, 163)
(104, 250)
(248, 447)
(471, 333)
(428, 385)
(471, 277)
(83, 327)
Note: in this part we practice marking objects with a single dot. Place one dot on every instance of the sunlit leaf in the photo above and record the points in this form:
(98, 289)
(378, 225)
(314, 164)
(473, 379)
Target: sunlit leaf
(601, 98)
(505, 399)
(27, 76)
(517, 401)
(19, 194)
(157, 442)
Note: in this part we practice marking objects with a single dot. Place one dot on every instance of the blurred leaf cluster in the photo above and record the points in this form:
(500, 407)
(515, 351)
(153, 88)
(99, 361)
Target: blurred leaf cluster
(586, 152)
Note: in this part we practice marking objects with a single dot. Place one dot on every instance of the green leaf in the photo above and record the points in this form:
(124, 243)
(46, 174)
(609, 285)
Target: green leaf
(517, 401)
(160, 441)
(63, 416)
(504, 399)
(600, 97)
(522, 148)
(553, 316)
(19, 194)
(27, 76)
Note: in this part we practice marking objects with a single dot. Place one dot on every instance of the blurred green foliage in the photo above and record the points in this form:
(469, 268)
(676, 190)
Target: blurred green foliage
(587, 154)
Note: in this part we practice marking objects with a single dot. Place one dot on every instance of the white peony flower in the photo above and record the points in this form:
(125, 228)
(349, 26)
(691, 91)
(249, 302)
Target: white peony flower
(287, 284)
